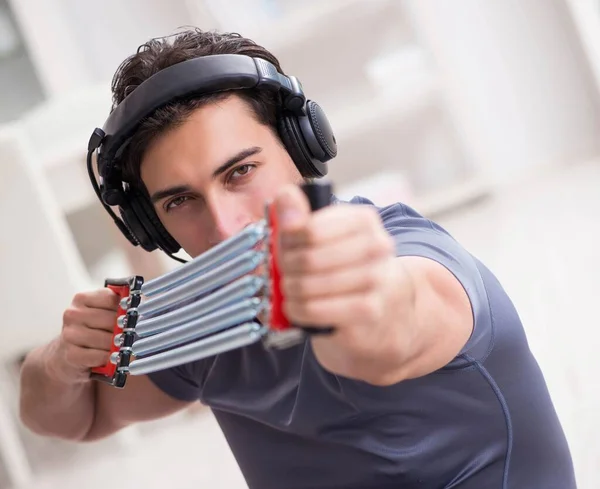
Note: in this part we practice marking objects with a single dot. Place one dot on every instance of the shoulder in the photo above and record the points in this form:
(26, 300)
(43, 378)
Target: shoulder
(398, 216)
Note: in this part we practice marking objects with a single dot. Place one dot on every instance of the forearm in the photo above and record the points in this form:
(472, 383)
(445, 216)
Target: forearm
(50, 407)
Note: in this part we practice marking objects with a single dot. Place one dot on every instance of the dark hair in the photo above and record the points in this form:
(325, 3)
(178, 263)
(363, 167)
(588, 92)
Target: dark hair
(160, 53)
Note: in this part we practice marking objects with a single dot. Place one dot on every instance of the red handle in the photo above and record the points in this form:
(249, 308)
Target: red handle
(129, 292)
(319, 196)
(278, 320)
(108, 370)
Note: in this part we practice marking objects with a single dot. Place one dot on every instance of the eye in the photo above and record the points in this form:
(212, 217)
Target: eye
(176, 202)
(241, 172)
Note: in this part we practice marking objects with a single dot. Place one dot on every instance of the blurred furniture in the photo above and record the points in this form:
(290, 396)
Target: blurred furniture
(41, 270)
(58, 131)
(20, 89)
(41, 266)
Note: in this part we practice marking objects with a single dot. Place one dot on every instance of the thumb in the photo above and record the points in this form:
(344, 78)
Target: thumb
(292, 208)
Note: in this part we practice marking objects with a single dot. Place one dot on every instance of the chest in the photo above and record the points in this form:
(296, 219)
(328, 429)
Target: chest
(285, 389)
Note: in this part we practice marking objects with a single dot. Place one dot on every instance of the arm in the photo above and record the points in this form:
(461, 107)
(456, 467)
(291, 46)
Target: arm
(396, 317)
(426, 319)
(57, 397)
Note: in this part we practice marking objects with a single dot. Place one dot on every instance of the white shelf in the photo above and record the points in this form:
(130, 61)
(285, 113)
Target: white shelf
(331, 20)
(388, 187)
(327, 44)
(69, 181)
(453, 197)
(395, 104)
(59, 130)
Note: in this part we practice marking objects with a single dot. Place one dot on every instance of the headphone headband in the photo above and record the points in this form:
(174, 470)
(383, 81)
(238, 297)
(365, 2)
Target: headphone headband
(207, 74)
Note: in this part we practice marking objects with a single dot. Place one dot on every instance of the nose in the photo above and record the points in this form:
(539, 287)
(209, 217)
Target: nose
(228, 218)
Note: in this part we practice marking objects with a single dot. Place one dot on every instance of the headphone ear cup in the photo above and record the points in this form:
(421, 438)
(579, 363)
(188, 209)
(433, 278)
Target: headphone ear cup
(135, 227)
(290, 135)
(318, 133)
(156, 236)
(309, 139)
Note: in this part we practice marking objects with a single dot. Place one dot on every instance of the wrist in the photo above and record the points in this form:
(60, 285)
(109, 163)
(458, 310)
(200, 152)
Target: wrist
(55, 369)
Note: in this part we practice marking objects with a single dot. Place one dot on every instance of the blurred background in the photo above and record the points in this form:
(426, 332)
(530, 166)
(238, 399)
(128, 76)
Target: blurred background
(482, 114)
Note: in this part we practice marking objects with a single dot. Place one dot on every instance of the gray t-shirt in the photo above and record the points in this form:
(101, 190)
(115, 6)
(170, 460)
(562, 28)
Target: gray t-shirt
(485, 420)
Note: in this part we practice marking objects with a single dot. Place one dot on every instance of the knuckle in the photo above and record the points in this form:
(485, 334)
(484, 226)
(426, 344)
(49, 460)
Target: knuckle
(308, 260)
(80, 297)
(372, 278)
(370, 216)
(70, 315)
(312, 234)
(69, 333)
(382, 244)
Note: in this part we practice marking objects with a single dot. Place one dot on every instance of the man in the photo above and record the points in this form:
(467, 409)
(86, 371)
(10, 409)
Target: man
(428, 380)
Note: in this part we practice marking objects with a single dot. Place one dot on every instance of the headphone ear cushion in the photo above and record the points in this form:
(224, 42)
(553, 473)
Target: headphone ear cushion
(290, 134)
(149, 221)
(135, 226)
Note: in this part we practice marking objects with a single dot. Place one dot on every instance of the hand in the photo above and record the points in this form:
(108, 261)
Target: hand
(338, 269)
(86, 336)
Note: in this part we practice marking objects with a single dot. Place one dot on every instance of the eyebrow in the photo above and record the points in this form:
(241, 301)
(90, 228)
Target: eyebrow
(179, 189)
(242, 155)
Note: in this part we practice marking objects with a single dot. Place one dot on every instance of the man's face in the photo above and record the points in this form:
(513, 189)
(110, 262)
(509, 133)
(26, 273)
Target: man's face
(212, 175)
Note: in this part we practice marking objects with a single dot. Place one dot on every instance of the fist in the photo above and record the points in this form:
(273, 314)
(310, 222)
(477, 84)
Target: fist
(86, 336)
(335, 264)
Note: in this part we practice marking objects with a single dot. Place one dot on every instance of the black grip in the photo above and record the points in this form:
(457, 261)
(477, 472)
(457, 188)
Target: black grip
(319, 196)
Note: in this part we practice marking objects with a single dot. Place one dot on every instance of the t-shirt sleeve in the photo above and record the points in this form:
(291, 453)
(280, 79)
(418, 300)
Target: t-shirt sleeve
(182, 382)
(415, 235)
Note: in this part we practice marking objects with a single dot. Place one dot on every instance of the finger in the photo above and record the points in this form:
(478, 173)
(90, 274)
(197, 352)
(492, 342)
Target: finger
(292, 209)
(333, 224)
(88, 338)
(357, 249)
(98, 299)
(359, 309)
(86, 357)
(348, 280)
(92, 318)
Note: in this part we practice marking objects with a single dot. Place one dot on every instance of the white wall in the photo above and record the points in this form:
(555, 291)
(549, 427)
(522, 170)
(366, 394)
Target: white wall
(54, 50)
(19, 87)
(111, 30)
(521, 93)
(76, 43)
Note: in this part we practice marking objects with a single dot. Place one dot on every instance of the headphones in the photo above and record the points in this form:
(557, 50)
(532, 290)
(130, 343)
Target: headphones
(302, 126)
